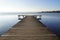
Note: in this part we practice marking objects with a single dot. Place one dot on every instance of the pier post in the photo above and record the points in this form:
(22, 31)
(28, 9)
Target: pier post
(38, 17)
(20, 17)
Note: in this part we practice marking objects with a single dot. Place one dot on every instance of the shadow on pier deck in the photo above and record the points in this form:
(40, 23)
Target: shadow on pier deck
(29, 29)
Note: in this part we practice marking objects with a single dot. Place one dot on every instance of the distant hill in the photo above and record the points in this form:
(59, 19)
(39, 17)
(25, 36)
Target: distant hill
(50, 12)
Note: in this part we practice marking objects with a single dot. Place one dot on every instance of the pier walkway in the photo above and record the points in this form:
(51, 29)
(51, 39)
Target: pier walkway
(29, 29)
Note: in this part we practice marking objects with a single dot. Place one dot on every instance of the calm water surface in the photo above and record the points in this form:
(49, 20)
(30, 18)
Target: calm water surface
(51, 20)
(6, 22)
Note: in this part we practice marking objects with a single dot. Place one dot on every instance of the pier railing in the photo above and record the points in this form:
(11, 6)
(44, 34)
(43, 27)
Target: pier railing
(20, 17)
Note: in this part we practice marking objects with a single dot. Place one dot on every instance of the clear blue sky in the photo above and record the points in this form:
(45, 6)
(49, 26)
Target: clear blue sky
(28, 5)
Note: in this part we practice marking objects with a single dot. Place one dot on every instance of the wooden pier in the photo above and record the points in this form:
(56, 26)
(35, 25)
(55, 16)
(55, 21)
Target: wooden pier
(29, 29)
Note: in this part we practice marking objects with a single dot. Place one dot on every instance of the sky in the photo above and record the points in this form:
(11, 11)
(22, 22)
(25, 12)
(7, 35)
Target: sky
(29, 5)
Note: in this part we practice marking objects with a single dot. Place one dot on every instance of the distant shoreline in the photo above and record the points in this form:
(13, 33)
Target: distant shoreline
(50, 12)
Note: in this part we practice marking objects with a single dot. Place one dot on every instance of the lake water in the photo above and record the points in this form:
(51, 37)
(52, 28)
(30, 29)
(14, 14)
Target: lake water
(7, 21)
(51, 20)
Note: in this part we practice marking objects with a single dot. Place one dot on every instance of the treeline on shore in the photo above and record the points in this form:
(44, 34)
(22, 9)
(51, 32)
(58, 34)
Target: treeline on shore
(50, 12)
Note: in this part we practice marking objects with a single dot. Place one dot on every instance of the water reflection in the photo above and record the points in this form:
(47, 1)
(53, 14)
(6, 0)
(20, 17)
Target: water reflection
(52, 21)
(7, 21)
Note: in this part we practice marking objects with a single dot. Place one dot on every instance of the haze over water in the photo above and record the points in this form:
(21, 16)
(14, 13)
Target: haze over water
(51, 20)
